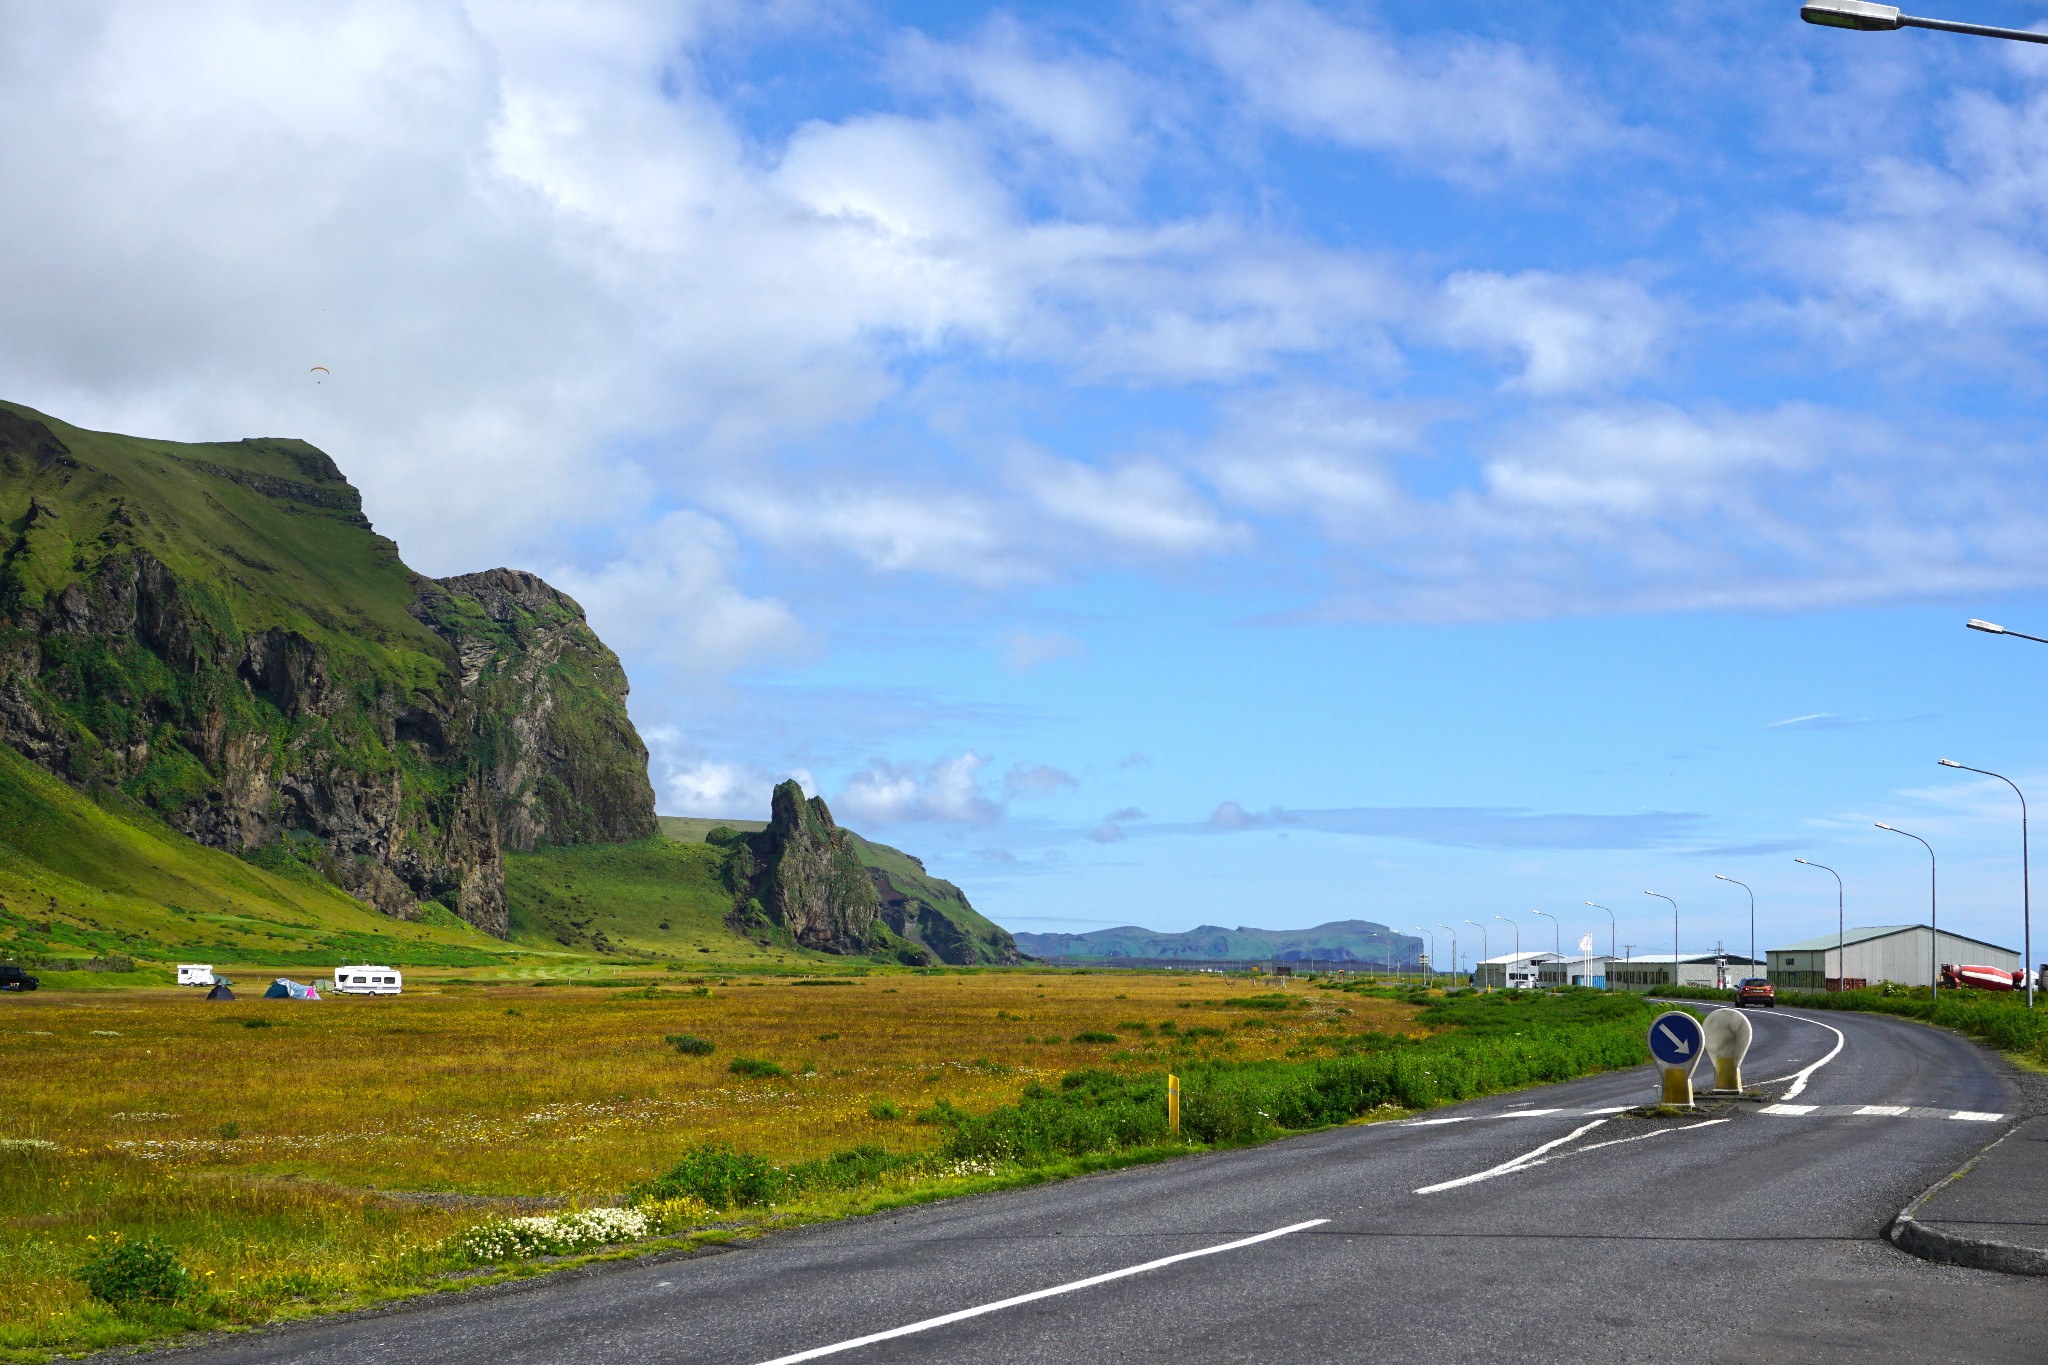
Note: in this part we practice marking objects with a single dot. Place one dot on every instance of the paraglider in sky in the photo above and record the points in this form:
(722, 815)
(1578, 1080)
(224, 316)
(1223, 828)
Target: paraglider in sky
(321, 369)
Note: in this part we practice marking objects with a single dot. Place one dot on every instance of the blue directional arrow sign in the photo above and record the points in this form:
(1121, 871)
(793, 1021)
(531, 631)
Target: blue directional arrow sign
(1677, 1039)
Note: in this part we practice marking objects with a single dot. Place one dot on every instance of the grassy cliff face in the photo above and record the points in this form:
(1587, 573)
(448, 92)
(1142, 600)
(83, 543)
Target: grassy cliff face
(213, 637)
(1348, 940)
(929, 914)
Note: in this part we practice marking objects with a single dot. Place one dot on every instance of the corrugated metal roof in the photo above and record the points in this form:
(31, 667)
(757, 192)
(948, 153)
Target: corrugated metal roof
(1735, 959)
(1867, 932)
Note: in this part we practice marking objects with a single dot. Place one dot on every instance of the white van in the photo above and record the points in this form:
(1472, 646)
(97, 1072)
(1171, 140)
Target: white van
(195, 974)
(367, 980)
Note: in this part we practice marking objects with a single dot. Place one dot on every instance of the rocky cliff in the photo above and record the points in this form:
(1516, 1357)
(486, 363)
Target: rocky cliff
(215, 634)
(802, 875)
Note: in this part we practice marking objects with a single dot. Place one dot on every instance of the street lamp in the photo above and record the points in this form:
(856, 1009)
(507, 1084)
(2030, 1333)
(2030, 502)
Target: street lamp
(1432, 949)
(1613, 933)
(1933, 915)
(2026, 894)
(1518, 940)
(1841, 933)
(1752, 913)
(1869, 18)
(1454, 949)
(1992, 628)
(1674, 932)
(1485, 950)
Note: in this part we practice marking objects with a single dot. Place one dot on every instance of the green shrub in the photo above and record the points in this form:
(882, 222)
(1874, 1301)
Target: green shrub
(716, 1174)
(884, 1111)
(1094, 1035)
(1259, 1002)
(255, 1023)
(690, 1045)
(136, 1272)
(755, 1067)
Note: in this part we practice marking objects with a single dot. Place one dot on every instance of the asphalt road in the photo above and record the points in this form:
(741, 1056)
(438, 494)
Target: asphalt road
(1737, 1240)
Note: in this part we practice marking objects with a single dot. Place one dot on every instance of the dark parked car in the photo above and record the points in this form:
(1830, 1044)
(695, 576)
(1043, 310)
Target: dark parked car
(13, 978)
(1755, 990)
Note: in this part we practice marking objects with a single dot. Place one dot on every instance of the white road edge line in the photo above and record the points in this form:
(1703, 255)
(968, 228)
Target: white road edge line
(1507, 1166)
(1036, 1294)
(1801, 1077)
(1640, 1137)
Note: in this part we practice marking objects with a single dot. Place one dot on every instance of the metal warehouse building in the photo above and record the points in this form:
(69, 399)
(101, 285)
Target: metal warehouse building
(1904, 953)
(1647, 971)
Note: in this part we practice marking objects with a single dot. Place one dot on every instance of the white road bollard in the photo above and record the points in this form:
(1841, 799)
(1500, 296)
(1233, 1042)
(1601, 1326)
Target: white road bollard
(1676, 1042)
(1728, 1034)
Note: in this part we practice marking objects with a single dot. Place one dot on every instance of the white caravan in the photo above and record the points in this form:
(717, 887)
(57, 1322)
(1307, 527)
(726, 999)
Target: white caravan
(367, 980)
(195, 974)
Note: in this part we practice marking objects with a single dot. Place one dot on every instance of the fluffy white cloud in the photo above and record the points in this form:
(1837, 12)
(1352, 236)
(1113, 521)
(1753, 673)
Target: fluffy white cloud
(669, 599)
(1143, 506)
(1460, 106)
(713, 787)
(948, 791)
(1571, 332)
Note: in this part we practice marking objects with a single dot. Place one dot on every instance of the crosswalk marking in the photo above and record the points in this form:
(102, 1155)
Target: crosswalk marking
(1788, 1109)
(1882, 1111)
(1969, 1116)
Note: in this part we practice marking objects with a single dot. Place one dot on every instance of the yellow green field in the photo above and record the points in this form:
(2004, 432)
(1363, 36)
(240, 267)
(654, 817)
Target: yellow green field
(301, 1154)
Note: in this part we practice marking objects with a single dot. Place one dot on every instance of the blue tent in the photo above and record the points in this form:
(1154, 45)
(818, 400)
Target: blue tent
(283, 989)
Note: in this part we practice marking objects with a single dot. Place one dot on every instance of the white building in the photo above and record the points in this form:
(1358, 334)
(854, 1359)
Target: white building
(1647, 971)
(1525, 971)
(1905, 953)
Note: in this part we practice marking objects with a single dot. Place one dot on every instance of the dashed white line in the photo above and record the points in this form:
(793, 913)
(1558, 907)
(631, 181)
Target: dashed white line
(1793, 1109)
(1971, 1116)
(1882, 1111)
(927, 1324)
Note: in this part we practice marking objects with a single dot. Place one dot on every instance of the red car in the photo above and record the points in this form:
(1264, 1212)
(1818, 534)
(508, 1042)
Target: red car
(1755, 990)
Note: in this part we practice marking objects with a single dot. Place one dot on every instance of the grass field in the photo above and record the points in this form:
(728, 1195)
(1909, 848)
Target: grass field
(299, 1156)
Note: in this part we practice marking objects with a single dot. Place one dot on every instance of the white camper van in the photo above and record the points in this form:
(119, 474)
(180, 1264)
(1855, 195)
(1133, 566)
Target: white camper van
(195, 974)
(366, 980)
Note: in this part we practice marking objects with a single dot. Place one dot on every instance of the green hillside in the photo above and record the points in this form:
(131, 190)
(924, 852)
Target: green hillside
(79, 881)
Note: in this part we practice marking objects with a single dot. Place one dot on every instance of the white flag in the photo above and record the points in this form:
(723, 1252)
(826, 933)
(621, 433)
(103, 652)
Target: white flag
(1586, 944)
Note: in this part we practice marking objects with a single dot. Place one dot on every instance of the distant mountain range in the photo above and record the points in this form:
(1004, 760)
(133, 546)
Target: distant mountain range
(1349, 940)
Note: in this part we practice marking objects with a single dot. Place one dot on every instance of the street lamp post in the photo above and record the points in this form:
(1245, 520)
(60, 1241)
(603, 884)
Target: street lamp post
(1841, 933)
(1674, 932)
(1613, 933)
(1485, 949)
(2026, 881)
(1869, 18)
(1752, 913)
(1933, 912)
(1558, 933)
(1432, 948)
(1518, 941)
(1454, 948)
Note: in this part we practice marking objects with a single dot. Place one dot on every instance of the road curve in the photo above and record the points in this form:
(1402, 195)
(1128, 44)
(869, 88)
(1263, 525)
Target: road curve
(1589, 1236)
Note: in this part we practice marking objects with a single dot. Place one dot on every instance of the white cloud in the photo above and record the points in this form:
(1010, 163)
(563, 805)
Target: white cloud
(717, 788)
(948, 791)
(1571, 332)
(1460, 106)
(1036, 780)
(1084, 106)
(1144, 506)
(669, 599)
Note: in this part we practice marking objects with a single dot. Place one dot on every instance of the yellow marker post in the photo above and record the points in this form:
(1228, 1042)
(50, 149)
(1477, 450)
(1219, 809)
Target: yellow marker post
(1676, 1041)
(1728, 1037)
(1173, 1103)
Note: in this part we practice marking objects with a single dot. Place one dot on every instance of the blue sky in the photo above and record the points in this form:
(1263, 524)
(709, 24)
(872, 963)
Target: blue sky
(1257, 462)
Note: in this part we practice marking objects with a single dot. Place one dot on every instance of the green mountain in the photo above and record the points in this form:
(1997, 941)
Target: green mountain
(1349, 940)
(234, 724)
(213, 636)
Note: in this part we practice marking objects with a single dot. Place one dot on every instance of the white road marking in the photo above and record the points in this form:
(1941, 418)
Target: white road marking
(856, 1342)
(1794, 1109)
(1612, 1109)
(1508, 1166)
(1971, 1116)
(1530, 1113)
(1883, 1111)
(1801, 1077)
(1434, 1123)
(1640, 1137)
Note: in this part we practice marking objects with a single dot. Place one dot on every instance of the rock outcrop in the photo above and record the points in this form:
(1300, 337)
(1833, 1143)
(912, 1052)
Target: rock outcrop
(802, 875)
(215, 633)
